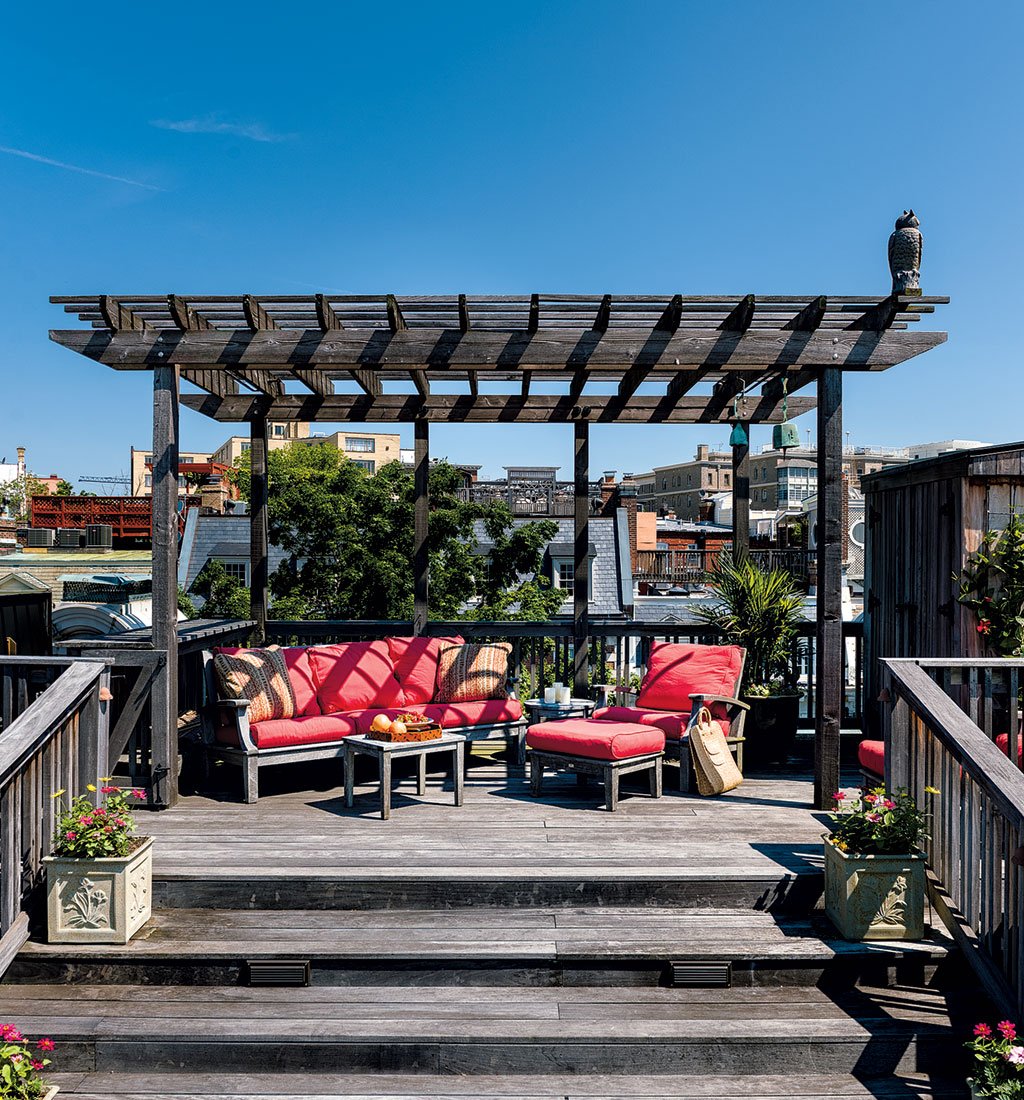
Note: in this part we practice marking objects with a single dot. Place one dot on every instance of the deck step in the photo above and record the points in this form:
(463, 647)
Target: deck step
(483, 1030)
(533, 946)
(390, 1086)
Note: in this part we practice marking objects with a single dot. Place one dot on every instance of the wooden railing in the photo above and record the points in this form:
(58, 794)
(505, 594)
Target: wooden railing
(52, 739)
(690, 567)
(543, 652)
(942, 720)
(134, 665)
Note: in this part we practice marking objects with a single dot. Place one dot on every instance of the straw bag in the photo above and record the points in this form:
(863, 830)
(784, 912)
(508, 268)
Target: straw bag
(712, 761)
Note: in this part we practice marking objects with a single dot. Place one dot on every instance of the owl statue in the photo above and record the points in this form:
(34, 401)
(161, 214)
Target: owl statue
(905, 254)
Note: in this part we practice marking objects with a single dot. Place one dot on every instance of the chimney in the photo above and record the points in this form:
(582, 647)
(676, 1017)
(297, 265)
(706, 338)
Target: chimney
(21, 462)
(703, 450)
(626, 496)
(609, 492)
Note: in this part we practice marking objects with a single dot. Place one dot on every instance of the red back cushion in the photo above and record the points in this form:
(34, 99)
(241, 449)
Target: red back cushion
(353, 675)
(415, 661)
(674, 672)
(300, 676)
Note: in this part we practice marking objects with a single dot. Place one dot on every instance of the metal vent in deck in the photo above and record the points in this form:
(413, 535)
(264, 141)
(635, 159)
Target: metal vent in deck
(700, 975)
(277, 972)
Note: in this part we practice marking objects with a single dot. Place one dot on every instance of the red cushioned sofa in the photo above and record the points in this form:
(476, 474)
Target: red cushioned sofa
(680, 679)
(339, 690)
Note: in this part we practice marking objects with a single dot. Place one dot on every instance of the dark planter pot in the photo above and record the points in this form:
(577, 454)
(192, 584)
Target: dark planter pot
(770, 729)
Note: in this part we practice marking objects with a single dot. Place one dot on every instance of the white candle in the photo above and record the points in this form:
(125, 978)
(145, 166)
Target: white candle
(549, 695)
(564, 695)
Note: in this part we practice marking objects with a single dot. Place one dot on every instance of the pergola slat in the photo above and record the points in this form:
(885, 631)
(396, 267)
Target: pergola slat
(187, 319)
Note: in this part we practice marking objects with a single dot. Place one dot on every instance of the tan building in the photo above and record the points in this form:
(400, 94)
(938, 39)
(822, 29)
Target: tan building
(682, 488)
(142, 470)
(371, 450)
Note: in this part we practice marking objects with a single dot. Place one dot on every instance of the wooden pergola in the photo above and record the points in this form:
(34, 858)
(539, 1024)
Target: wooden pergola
(634, 359)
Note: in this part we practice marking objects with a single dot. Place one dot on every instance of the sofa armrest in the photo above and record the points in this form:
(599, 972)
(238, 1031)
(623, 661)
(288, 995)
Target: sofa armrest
(701, 699)
(236, 712)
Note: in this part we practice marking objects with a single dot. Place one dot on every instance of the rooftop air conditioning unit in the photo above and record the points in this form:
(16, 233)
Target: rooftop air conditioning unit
(99, 536)
(40, 537)
(70, 538)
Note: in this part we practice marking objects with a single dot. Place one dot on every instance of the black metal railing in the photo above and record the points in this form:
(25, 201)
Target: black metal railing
(687, 568)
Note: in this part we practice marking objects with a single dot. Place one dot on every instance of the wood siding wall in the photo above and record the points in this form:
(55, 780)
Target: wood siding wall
(923, 522)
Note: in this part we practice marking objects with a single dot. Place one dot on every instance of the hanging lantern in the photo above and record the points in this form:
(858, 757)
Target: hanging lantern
(786, 434)
(738, 436)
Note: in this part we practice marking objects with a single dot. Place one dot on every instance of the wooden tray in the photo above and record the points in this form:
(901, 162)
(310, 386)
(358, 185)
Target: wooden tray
(417, 733)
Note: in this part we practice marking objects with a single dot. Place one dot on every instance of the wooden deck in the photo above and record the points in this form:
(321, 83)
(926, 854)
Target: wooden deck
(511, 947)
(762, 833)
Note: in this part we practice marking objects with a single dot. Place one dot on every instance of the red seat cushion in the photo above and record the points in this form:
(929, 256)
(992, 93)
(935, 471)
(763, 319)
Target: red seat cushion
(276, 733)
(1003, 744)
(415, 662)
(871, 756)
(673, 725)
(479, 712)
(597, 740)
(354, 675)
(676, 671)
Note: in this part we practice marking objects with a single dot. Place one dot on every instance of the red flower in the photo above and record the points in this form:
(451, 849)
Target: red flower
(45, 1044)
(37, 1063)
(139, 793)
(984, 626)
(109, 790)
(983, 1031)
(1007, 1029)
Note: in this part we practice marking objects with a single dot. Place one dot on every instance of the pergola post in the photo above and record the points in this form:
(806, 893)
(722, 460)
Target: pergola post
(259, 541)
(421, 509)
(164, 703)
(741, 496)
(581, 561)
(829, 656)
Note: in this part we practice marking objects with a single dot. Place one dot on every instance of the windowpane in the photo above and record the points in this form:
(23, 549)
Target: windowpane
(364, 463)
(355, 443)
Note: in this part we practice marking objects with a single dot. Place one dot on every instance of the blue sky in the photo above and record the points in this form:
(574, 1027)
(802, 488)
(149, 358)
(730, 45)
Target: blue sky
(587, 147)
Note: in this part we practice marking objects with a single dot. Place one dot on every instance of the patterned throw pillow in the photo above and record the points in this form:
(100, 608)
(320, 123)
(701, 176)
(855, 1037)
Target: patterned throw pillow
(261, 677)
(470, 671)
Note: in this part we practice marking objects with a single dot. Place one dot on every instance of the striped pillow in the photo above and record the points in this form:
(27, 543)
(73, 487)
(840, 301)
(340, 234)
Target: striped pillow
(468, 672)
(261, 677)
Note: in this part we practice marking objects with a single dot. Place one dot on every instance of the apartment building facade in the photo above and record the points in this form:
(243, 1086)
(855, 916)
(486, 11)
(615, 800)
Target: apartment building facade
(682, 488)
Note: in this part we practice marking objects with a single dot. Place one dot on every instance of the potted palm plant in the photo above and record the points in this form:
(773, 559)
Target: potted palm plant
(761, 610)
(99, 877)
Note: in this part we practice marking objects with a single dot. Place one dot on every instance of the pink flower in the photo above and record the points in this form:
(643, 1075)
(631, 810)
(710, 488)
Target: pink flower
(86, 819)
(45, 1044)
(139, 793)
(101, 812)
(983, 1031)
(1015, 1056)
(1007, 1029)
(119, 822)
(888, 804)
(71, 836)
(871, 799)
(873, 818)
(9, 1031)
(37, 1063)
(108, 828)
(109, 790)
(984, 627)
(16, 1057)
(838, 796)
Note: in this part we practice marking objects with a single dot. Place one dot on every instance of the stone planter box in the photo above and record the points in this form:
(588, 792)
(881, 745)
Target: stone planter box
(51, 1092)
(876, 897)
(99, 900)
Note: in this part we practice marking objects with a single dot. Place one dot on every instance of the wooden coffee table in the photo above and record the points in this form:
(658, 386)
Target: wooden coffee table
(386, 751)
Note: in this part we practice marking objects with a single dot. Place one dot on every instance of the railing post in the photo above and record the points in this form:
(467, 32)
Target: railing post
(259, 571)
(581, 561)
(94, 736)
(896, 718)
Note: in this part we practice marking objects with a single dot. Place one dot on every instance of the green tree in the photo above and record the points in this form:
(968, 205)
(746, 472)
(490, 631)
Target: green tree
(348, 537)
(224, 597)
(64, 488)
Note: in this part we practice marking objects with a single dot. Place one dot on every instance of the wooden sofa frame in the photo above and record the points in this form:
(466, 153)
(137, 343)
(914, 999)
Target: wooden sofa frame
(250, 758)
(736, 711)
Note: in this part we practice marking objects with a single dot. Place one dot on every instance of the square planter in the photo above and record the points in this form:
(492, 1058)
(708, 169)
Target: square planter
(103, 900)
(875, 897)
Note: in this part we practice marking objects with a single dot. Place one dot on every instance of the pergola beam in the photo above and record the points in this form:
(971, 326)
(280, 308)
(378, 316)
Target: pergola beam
(188, 320)
(485, 408)
(440, 350)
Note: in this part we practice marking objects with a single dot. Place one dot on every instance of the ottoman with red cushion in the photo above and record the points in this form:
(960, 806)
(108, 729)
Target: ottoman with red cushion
(603, 750)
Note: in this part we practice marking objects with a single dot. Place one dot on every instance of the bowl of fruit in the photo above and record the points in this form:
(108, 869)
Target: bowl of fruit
(407, 726)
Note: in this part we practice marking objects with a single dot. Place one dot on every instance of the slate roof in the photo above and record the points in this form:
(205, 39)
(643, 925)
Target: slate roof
(216, 537)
